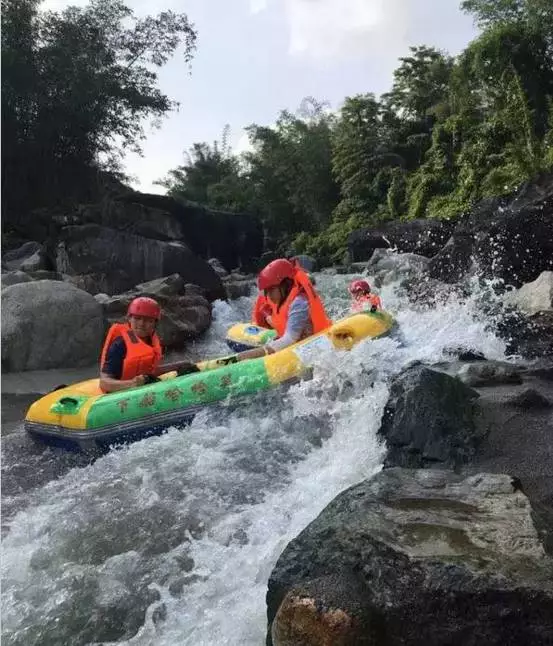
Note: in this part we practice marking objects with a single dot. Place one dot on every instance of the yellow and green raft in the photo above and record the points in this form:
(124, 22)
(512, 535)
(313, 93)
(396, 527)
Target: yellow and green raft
(81, 416)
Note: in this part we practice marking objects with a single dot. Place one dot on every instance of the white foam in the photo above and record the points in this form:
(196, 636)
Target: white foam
(229, 492)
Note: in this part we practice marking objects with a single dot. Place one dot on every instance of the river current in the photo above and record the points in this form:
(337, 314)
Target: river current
(170, 541)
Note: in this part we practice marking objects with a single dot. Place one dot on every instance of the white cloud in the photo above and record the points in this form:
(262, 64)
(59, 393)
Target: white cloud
(337, 29)
(257, 6)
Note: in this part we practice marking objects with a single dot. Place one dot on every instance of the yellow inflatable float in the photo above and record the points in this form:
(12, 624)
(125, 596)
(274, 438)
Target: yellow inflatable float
(81, 415)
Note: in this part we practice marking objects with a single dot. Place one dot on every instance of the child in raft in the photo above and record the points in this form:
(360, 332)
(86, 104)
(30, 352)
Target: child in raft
(363, 299)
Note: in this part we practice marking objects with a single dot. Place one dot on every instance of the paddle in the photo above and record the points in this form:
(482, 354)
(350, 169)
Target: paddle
(180, 368)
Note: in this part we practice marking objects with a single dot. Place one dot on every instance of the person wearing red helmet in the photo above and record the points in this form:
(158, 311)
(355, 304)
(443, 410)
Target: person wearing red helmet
(289, 304)
(132, 350)
(363, 299)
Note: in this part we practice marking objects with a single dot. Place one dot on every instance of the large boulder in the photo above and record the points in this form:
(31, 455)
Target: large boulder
(534, 297)
(423, 237)
(510, 238)
(110, 261)
(48, 324)
(414, 557)
(429, 420)
(186, 311)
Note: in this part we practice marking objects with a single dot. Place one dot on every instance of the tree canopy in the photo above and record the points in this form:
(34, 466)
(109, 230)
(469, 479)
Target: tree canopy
(76, 88)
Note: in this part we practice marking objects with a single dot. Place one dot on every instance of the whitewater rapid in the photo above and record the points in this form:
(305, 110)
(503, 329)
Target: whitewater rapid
(171, 540)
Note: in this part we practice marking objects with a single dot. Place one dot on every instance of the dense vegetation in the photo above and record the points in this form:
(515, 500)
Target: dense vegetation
(78, 85)
(449, 132)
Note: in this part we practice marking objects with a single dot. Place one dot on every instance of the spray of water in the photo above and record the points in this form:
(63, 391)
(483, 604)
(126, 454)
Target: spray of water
(171, 540)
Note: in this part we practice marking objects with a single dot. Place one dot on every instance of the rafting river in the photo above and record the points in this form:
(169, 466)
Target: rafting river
(170, 541)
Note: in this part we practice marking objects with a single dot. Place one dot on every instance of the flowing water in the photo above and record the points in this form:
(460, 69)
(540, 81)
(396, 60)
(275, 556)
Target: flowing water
(171, 540)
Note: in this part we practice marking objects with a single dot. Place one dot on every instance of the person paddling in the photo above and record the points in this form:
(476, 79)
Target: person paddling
(289, 304)
(363, 299)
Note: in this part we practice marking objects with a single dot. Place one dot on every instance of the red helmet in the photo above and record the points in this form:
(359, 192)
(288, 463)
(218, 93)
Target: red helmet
(275, 272)
(359, 286)
(144, 306)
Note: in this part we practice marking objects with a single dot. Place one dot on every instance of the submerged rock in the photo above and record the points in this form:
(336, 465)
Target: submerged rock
(430, 557)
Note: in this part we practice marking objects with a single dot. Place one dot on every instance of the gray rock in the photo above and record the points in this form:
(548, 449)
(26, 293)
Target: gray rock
(424, 237)
(489, 373)
(529, 398)
(389, 267)
(430, 557)
(28, 257)
(45, 274)
(533, 297)
(238, 285)
(15, 277)
(218, 267)
(12, 259)
(510, 238)
(133, 218)
(429, 420)
(49, 324)
(35, 262)
(110, 261)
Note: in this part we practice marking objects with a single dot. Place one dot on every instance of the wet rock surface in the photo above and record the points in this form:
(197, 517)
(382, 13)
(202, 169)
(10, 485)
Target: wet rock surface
(440, 558)
(429, 420)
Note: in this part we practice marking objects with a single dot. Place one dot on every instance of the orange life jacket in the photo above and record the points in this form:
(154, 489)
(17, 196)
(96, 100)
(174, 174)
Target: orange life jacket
(141, 358)
(365, 302)
(302, 285)
(259, 313)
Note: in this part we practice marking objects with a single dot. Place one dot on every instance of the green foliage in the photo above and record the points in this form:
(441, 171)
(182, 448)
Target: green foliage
(76, 88)
(78, 85)
(448, 133)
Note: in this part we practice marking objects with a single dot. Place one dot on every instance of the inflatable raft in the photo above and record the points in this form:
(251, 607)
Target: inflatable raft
(81, 416)
(246, 336)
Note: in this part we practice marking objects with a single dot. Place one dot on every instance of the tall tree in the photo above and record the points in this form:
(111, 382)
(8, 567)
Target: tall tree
(77, 86)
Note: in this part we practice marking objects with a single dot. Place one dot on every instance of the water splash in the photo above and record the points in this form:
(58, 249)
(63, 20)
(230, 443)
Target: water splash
(171, 540)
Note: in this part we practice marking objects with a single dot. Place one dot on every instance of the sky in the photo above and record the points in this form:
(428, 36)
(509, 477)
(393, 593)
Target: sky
(258, 57)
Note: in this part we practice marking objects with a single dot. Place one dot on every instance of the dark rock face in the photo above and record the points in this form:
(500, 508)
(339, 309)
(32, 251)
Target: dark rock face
(49, 324)
(235, 239)
(429, 420)
(423, 237)
(508, 238)
(110, 261)
(437, 558)
(529, 336)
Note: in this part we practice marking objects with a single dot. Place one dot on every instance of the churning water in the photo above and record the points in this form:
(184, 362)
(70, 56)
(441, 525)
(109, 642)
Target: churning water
(171, 540)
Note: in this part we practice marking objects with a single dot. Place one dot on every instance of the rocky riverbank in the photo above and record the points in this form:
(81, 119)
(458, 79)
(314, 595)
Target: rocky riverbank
(452, 543)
